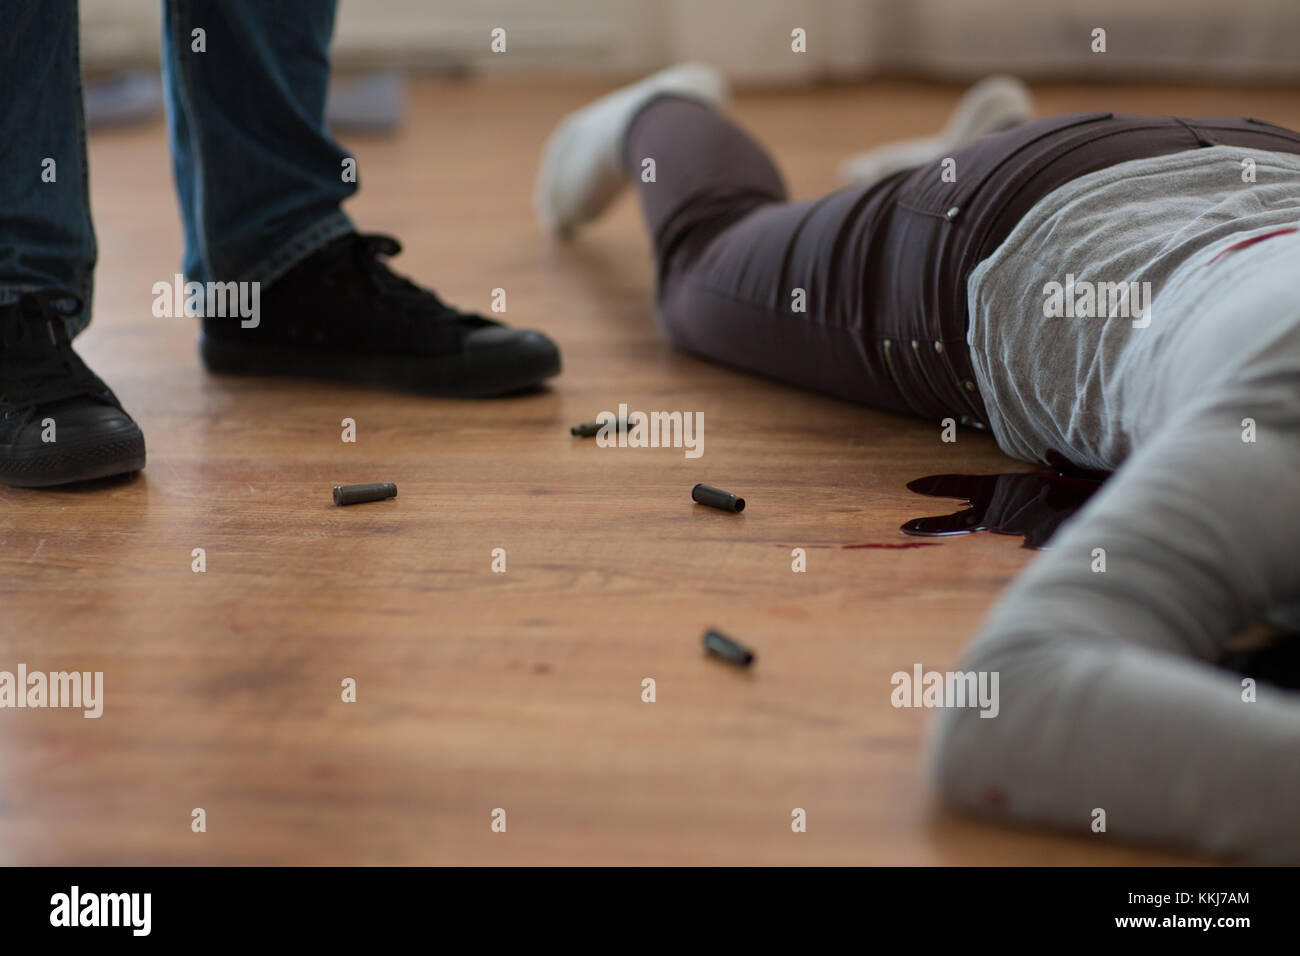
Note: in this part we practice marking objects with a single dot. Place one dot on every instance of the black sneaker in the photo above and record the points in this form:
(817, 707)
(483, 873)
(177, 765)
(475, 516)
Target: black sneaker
(343, 314)
(58, 421)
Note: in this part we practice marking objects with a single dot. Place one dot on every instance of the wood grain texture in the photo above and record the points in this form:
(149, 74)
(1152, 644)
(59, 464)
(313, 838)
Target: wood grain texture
(479, 690)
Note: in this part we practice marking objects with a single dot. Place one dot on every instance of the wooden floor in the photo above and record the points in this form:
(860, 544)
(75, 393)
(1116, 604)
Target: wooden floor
(478, 690)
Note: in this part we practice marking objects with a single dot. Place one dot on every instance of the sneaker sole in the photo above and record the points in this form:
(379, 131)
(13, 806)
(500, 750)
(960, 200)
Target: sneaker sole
(478, 373)
(118, 453)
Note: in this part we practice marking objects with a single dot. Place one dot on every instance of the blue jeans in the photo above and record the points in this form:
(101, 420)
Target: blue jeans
(258, 178)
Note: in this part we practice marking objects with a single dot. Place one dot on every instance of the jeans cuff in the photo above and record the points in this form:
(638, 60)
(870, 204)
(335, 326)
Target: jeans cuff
(306, 242)
(9, 294)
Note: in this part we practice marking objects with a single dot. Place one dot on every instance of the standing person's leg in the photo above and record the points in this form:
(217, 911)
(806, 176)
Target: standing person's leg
(47, 241)
(258, 177)
(260, 182)
(58, 421)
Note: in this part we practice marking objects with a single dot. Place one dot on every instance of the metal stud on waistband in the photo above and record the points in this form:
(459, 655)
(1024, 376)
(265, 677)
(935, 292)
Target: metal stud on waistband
(951, 214)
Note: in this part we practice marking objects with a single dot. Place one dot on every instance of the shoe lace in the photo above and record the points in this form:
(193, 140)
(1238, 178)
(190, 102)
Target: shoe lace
(37, 363)
(413, 304)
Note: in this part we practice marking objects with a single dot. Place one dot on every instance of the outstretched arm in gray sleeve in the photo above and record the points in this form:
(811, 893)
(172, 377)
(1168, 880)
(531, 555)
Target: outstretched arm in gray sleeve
(1110, 698)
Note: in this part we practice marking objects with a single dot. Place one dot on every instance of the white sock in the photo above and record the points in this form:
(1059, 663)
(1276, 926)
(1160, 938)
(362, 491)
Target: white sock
(994, 103)
(581, 169)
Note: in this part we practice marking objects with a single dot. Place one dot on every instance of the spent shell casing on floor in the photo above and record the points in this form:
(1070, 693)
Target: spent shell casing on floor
(358, 494)
(719, 645)
(717, 498)
(590, 429)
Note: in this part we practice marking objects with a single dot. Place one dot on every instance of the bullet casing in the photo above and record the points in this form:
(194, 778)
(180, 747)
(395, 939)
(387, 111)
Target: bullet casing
(719, 645)
(717, 498)
(359, 494)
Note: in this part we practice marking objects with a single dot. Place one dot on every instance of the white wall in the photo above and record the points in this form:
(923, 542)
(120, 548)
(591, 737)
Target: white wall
(751, 38)
(581, 35)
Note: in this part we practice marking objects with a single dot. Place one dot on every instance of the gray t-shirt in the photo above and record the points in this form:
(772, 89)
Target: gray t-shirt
(1138, 222)
(1105, 647)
